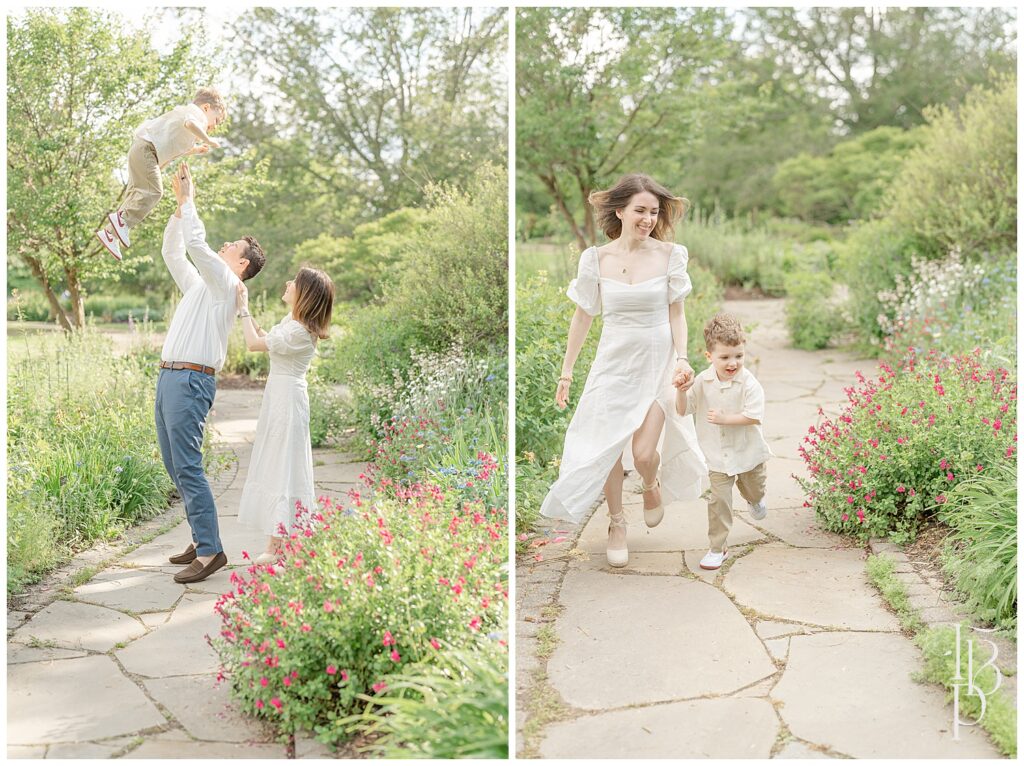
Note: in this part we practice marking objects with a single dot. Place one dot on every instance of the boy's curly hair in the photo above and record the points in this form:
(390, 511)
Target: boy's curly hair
(213, 98)
(725, 329)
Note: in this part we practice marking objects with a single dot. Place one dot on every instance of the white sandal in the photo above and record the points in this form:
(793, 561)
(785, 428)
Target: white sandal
(653, 516)
(617, 557)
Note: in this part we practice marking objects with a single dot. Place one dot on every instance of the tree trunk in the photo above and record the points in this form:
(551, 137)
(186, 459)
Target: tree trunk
(556, 194)
(77, 299)
(39, 273)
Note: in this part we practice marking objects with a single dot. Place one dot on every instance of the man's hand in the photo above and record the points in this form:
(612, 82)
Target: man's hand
(176, 184)
(185, 185)
(211, 144)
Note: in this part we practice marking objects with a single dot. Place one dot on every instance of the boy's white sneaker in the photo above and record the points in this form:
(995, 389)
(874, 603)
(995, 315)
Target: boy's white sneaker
(758, 510)
(120, 227)
(110, 242)
(713, 560)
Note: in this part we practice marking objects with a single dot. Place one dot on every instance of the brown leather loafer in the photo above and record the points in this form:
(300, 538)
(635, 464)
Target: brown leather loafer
(195, 572)
(185, 557)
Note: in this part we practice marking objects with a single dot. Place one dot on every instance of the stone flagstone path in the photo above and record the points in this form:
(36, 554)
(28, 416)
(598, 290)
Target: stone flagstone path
(124, 669)
(787, 651)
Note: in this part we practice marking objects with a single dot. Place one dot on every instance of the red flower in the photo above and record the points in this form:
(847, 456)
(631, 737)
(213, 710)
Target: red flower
(389, 640)
(331, 670)
(435, 643)
(276, 702)
(395, 656)
(379, 687)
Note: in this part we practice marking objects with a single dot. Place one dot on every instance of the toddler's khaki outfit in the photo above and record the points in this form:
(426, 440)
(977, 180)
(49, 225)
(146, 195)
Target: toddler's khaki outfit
(734, 454)
(157, 142)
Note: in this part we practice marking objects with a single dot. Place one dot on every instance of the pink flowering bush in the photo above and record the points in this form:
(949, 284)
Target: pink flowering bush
(402, 574)
(905, 440)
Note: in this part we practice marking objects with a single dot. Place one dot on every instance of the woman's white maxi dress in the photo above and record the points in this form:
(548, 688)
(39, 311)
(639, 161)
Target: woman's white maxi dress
(632, 370)
(281, 466)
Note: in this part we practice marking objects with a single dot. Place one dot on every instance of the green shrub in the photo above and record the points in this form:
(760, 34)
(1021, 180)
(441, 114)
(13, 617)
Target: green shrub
(453, 288)
(267, 311)
(118, 308)
(981, 552)
(82, 448)
(407, 575)
(905, 441)
(848, 183)
(326, 418)
(811, 312)
(28, 306)
(360, 263)
(959, 188)
(459, 711)
(870, 259)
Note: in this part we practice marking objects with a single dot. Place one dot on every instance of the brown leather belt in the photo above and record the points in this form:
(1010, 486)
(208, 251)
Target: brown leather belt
(187, 366)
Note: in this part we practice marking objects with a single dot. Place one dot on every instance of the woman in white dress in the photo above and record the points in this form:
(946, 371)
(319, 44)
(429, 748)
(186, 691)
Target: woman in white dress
(637, 282)
(280, 475)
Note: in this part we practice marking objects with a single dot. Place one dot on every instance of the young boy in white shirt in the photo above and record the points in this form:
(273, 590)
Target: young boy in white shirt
(727, 403)
(158, 142)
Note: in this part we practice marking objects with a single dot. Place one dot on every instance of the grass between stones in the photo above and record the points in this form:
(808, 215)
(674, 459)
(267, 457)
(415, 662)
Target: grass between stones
(543, 707)
(998, 715)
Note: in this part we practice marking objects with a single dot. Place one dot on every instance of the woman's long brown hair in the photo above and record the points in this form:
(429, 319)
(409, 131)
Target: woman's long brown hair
(670, 207)
(314, 300)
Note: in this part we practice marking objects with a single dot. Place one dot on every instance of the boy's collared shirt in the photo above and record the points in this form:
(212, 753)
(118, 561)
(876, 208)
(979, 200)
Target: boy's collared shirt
(168, 133)
(729, 449)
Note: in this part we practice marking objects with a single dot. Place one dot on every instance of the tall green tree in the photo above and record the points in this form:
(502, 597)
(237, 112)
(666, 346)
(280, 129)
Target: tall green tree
(601, 92)
(883, 66)
(382, 101)
(79, 83)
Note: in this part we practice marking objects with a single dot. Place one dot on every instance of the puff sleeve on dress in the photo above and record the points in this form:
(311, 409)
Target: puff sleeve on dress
(288, 337)
(586, 288)
(679, 284)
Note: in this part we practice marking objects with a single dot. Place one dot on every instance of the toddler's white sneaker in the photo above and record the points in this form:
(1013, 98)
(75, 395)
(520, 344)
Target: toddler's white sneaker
(758, 510)
(713, 560)
(110, 242)
(120, 227)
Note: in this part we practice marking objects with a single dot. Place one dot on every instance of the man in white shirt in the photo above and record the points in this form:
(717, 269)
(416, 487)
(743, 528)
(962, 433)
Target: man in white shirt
(727, 404)
(194, 350)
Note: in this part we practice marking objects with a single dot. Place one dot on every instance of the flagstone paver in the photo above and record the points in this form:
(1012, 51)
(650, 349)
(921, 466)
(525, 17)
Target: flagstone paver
(705, 728)
(863, 680)
(74, 700)
(787, 651)
(126, 669)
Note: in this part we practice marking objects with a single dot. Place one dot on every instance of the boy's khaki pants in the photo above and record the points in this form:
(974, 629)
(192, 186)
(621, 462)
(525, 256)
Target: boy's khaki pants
(145, 187)
(751, 485)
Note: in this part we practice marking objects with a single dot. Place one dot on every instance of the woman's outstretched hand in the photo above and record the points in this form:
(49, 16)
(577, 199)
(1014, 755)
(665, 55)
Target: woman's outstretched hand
(242, 297)
(562, 393)
(682, 373)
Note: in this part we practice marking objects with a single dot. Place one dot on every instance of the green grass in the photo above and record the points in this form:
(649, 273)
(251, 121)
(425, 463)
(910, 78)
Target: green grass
(558, 260)
(882, 573)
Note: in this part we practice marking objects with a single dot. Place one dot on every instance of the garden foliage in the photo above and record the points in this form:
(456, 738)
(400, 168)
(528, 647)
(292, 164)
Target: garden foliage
(906, 440)
(83, 461)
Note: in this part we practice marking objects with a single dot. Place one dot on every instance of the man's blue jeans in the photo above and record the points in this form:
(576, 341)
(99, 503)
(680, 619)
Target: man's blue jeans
(183, 400)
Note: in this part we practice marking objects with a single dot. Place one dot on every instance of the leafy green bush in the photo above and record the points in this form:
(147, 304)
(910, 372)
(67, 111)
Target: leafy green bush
(360, 263)
(118, 308)
(443, 712)
(326, 418)
(905, 441)
(82, 448)
(267, 310)
(453, 288)
(848, 183)
(870, 259)
(981, 552)
(406, 575)
(959, 188)
(28, 306)
(811, 311)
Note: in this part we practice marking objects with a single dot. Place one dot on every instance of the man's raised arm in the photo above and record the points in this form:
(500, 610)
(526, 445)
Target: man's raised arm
(212, 268)
(184, 273)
